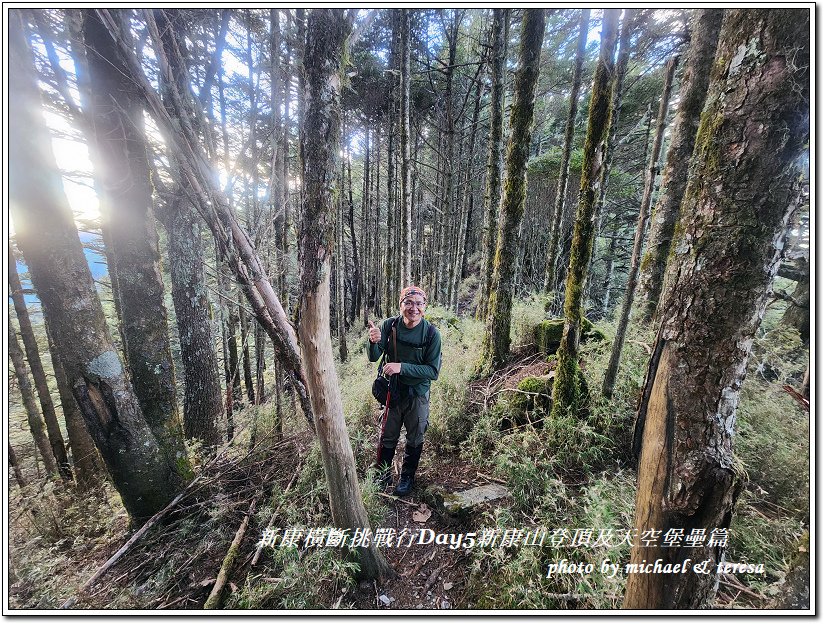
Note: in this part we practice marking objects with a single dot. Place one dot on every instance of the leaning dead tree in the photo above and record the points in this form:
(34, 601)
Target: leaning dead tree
(211, 203)
(327, 31)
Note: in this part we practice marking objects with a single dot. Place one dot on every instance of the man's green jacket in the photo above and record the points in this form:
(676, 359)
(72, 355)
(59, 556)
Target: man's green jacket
(420, 364)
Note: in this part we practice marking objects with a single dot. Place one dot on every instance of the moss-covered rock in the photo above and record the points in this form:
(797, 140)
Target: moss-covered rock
(534, 393)
(547, 334)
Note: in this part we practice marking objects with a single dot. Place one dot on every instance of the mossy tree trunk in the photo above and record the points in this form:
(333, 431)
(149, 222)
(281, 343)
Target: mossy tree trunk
(497, 338)
(563, 175)
(500, 19)
(706, 25)
(146, 478)
(640, 231)
(202, 395)
(742, 190)
(327, 31)
(122, 168)
(566, 393)
(628, 26)
(41, 384)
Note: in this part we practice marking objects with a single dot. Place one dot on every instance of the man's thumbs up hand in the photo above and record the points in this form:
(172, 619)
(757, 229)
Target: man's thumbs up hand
(374, 333)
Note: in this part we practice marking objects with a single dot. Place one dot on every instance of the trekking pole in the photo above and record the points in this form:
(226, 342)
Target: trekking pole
(383, 427)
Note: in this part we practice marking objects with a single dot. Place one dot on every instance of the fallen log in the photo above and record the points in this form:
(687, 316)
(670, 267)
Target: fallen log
(213, 601)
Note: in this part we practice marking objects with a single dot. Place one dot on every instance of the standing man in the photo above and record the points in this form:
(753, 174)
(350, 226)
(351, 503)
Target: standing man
(413, 353)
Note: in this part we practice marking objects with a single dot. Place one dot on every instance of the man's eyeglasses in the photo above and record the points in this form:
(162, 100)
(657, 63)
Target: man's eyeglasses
(408, 303)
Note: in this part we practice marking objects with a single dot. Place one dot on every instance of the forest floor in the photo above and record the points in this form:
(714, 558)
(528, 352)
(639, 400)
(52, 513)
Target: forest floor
(557, 476)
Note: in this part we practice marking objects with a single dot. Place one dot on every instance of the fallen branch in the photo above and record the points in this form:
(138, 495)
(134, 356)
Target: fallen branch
(398, 500)
(213, 601)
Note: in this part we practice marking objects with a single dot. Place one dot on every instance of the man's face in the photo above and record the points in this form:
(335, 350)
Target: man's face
(412, 308)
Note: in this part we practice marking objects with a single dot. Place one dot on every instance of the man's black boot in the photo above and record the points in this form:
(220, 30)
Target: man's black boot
(411, 457)
(384, 467)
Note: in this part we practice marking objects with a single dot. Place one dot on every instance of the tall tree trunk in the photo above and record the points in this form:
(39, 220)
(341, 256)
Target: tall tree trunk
(146, 478)
(705, 28)
(202, 396)
(443, 285)
(391, 249)
(406, 169)
(366, 239)
(326, 36)
(466, 202)
(123, 169)
(567, 391)
(500, 19)
(741, 194)
(640, 230)
(357, 285)
(496, 341)
(41, 384)
(339, 262)
(33, 415)
(563, 174)
(624, 44)
(203, 401)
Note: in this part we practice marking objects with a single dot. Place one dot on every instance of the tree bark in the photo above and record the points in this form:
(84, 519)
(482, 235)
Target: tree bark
(34, 417)
(143, 475)
(496, 341)
(563, 175)
(41, 384)
(741, 193)
(492, 193)
(640, 231)
(202, 399)
(567, 393)
(327, 31)
(705, 28)
(123, 170)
